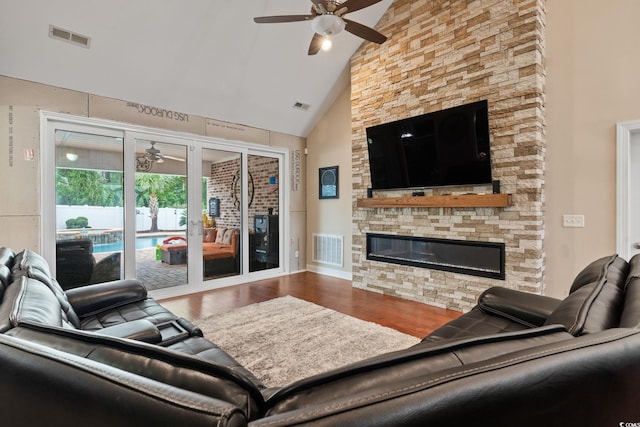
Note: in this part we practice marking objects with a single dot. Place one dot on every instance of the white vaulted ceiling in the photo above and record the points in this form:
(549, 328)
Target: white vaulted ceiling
(202, 57)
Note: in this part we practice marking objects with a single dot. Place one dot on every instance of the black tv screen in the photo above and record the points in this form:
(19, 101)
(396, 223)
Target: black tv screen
(446, 147)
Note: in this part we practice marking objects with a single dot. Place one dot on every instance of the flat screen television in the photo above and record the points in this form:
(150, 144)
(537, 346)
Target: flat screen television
(443, 148)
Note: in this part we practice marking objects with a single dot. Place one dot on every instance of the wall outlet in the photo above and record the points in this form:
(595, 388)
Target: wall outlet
(573, 220)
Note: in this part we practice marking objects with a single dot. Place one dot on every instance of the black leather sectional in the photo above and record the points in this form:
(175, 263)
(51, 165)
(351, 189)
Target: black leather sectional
(108, 354)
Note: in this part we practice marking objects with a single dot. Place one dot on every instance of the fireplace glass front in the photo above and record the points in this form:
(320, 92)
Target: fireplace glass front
(484, 259)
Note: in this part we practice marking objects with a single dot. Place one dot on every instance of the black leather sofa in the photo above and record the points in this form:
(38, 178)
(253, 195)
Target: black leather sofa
(97, 355)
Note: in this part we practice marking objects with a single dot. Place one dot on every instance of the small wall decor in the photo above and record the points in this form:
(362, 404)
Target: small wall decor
(235, 189)
(328, 182)
(214, 207)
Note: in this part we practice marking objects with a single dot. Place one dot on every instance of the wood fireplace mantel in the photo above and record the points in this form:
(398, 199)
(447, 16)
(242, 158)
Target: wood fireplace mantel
(449, 201)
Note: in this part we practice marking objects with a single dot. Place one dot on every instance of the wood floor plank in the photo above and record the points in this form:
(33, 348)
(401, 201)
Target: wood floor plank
(406, 316)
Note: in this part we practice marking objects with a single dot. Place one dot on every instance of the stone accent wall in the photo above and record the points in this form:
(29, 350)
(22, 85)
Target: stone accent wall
(441, 54)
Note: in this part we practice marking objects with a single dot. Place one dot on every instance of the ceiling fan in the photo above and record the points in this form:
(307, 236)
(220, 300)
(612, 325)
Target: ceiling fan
(327, 19)
(152, 155)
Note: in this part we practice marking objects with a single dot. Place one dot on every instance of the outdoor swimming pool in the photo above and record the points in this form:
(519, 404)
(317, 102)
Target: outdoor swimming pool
(142, 242)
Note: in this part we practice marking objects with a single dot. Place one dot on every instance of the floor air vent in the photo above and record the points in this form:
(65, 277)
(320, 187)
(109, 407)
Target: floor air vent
(68, 36)
(327, 249)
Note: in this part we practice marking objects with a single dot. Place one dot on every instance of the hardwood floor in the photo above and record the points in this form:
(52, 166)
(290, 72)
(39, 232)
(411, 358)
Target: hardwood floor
(410, 317)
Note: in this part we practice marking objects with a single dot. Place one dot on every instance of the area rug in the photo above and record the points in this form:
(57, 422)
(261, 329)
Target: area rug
(286, 339)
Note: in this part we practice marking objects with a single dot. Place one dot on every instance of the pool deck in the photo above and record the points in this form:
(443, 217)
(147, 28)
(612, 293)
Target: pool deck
(154, 274)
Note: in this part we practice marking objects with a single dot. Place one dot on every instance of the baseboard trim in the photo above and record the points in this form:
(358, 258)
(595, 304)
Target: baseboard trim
(330, 272)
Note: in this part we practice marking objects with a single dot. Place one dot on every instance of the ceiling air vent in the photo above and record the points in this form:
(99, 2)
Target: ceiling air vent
(69, 36)
(301, 106)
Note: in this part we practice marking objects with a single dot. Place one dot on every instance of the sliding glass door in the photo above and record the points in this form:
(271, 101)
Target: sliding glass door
(89, 207)
(172, 210)
(264, 209)
(161, 212)
(222, 201)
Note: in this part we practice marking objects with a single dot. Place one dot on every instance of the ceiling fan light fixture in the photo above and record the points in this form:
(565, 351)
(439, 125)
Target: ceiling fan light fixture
(326, 44)
(327, 25)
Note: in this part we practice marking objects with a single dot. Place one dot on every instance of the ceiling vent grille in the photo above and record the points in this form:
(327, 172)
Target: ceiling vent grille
(301, 106)
(69, 36)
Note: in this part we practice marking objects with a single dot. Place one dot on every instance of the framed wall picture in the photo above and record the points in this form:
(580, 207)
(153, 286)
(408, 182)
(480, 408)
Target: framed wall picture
(328, 182)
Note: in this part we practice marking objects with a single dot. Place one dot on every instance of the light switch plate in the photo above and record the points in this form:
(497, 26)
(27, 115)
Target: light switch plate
(573, 221)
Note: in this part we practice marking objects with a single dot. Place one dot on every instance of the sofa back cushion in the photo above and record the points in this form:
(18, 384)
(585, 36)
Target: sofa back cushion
(220, 234)
(154, 362)
(6, 262)
(6, 256)
(5, 278)
(209, 235)
(631, 311)
(595, 299)
(29, 300)
(29, 264)
(379, 374)
(46, 387)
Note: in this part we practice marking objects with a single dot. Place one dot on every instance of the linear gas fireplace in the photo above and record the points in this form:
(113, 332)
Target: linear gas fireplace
(484, 259)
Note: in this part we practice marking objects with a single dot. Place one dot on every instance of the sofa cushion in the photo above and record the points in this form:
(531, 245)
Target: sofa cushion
(5, 278)
(630, 317)
(220, 235)
(228, 234)
(144, 309)
(383, 372)
(209, 235)
(596, 298)
(54, 287)
(476, 323)
(207, 376)
(29, 300)
(42, 386)
(28, 259)
(6, 256)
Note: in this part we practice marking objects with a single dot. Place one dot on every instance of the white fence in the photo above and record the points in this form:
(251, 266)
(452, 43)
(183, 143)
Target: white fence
(112, 217)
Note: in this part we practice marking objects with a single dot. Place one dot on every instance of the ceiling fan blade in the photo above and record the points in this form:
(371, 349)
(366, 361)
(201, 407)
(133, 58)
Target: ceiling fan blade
(316, 44)
(174, 158)
(364, 32)
(353, 5)
(282, 18)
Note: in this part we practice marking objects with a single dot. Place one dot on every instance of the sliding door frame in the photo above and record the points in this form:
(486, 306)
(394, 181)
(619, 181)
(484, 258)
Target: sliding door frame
(50, 121)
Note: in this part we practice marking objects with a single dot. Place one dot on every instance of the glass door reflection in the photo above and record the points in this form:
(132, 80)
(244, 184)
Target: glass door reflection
(264, 238)
(89, 198)
(222, 214)
(161, 214)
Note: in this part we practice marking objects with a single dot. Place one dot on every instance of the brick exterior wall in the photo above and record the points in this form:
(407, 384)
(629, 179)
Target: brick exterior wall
(441, 54)
(265, 194)
(220, 186)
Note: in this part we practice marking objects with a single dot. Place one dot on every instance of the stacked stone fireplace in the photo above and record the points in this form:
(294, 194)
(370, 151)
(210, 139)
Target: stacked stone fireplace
(441, 54)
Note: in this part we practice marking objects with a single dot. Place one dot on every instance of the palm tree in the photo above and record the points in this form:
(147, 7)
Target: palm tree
(151, 184)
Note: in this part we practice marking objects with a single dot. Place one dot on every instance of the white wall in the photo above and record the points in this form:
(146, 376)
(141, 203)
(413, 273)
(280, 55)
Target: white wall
(329, 144)
(112, 217)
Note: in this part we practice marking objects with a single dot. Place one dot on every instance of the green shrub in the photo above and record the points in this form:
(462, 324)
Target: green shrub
(79, 222)
(82, 222)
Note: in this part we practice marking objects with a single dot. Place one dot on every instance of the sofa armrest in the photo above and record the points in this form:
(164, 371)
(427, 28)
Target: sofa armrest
(139, 330)
(93, 299)
(523, 307)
